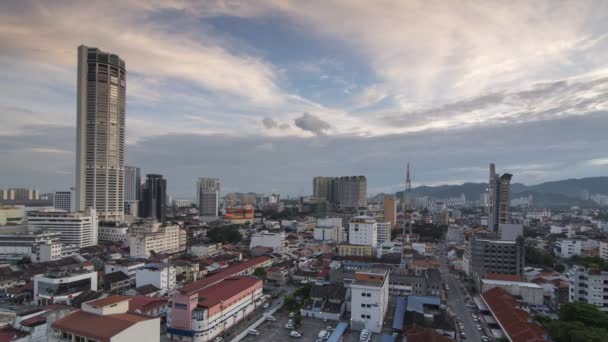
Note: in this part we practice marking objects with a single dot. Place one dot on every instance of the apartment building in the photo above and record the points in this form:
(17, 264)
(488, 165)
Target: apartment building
(589, 285)
(369, 299)
(147, 237)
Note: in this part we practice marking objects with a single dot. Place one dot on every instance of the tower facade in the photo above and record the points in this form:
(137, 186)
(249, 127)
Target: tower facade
(100, 133)
(154, 198)
(132, 184)
(208, 196)
(499, 193)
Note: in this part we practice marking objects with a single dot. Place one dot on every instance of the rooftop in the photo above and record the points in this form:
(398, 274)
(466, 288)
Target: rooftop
(224, 290)
(101, 328)
(108, 301)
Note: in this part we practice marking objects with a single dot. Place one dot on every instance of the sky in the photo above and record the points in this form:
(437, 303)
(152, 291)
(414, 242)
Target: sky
(267, 94)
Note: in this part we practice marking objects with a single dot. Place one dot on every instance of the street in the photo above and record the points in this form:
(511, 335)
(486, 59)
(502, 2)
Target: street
(456, 299)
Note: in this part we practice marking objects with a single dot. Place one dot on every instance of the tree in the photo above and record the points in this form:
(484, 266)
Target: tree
(226, 234)
(578, 322)
(259, 272)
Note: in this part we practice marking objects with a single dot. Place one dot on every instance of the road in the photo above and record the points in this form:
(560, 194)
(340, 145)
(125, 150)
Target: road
(457, 299)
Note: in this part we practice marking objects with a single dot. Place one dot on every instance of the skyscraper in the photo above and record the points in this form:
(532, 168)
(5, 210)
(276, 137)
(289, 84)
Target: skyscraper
(100, 133)
(498, 198)
(62, 200)
(390, 210)
(154, 198)
(346, 192)
(132, 184)
(208, 196)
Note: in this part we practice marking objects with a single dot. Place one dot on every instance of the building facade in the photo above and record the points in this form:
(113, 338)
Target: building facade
(79, 228)
(498, 198)
(363, 230)
(62, 200)
(160, 275)
(208, 196)
(488, 254)
(384, 232)
(154, 198)
(369, 299)
(61, 287)
(345, 192)
(276, 241)
(589, 285)
(390, 210)
(100, 133)
(147, 238)
(132, 184)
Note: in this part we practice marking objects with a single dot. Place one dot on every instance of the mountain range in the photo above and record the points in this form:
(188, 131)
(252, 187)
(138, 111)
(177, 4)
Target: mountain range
(562, 193)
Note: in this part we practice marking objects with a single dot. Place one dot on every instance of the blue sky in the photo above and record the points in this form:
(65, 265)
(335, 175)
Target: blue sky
(268, 94)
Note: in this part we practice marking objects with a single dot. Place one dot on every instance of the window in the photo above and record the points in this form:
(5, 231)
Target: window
(362, 316)
(362, 305)
(80, 339)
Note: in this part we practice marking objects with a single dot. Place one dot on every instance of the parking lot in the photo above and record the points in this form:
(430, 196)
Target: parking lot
(310, 328)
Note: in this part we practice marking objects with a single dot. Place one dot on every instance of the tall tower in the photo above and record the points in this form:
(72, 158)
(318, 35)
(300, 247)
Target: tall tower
(132, 183)
(407, 201)
(100, 133)
(498, 198)
(154, 198)
(208, 196)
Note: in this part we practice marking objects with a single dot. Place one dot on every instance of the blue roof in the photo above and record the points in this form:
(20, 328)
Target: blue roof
(399, 315)
(388, 338)
(417, 303)
(338, 332)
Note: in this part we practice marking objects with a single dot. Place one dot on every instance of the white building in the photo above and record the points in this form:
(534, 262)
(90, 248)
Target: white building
(268, 239)
(146, 237)
(113, 234)
(61, 287)
(160, 275)
(588, 285)
(363, 230)
(38, 246)
(369, 299)
(206, 250)
(62, 200)
(510, 231)
(329, 222)
(604, 250)
(384, 232)
(76, 228)
(128, 267)
(182, 203)
(567, 248)
(530, 293)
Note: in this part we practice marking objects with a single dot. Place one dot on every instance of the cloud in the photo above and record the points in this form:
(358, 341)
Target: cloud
(269, 123)
(598, 162)
(311, 123)
(284, 126)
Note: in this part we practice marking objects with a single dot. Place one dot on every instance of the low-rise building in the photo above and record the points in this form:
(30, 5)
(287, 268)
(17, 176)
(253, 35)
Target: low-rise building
(384, 232)
(163, 276)
(276, 241)
(61, 287)
(113, 233)
(38, 246)
(206, 250)
(128, 267)
(106, 320)
(567, 248)
(204, 313)
(11, 215)
(116, 282)
(147, 237)
(355, 250)
(79, 228)
(589, 285)
(369, 299)
(530, 293)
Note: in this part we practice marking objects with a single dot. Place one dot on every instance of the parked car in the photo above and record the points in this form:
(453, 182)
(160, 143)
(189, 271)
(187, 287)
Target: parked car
(270, 318)
(266, 306)
(292, 314)
(218, 339)
(294, 333)
(289, 326)
(253, 332)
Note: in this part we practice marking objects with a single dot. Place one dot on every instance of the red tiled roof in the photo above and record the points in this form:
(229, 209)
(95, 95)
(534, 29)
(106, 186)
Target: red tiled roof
(101, 328)
(108, 300)
(145, 304)
(513, 320)
(8, 334)
(505, 277)
(225, 289)
(421, 334)
(223, 274)
(33, 321)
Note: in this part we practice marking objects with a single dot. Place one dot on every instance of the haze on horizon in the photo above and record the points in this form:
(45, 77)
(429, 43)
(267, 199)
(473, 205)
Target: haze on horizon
(266, 96)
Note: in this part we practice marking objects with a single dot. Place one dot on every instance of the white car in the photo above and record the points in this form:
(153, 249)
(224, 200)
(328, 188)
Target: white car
(266, 306)
(253, 332)
(289, 326)
(294, 333)
(323, 334)
(292, 314)
(478, 327)
(218, 339)
(270, 318)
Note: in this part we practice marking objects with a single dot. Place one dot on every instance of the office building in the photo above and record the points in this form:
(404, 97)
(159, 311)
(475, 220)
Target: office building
(7, 195)
(80, 228)
(132, 184)
(498, 198)
(108, 320)
(363, 230)
(369, 299)
(390, 210)
(384, 232)
(61, 287)
(162, 276)
(38, 246)
(154, 198)
(486, 253)
(62, 200)
(345, 192)
(100, 133)
(208, 196)
(589, 285)
(146, 238)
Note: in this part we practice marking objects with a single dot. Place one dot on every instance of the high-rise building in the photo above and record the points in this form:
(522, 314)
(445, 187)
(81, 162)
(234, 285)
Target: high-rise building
(390, 210)
(498, 198)
(20, 194)
(208, 196)
(363, 230)
(100, 133)
(487, 253)
(62, 200)
(154, 198)
(132, 184)
(345, 192)
(78, 228)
